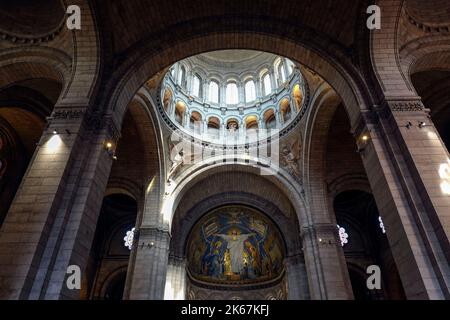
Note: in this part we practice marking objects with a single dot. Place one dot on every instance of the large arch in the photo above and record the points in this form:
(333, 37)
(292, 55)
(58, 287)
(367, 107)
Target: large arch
(144, 61)
(216, 187)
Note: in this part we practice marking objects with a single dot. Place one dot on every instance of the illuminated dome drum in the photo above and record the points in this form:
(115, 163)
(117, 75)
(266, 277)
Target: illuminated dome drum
(235, 245)
(232, 96)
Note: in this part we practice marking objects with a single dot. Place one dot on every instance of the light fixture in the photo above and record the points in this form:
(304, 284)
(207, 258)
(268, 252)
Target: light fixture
(365, 137)
(55, 131)
(408, 125)
(422, 124)
(108, 145)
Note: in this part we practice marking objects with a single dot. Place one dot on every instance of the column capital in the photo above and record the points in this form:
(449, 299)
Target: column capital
(324, 233)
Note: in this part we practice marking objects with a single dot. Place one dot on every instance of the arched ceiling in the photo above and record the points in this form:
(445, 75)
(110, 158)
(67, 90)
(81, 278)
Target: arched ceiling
(30, 17)
(130, 22)
(232, 57)
(430, 12)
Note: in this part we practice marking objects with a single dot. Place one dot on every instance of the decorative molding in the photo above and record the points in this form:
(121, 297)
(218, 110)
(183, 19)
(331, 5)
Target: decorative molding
(427, 27)
(23, 39)
(69, 113)
(406, 106)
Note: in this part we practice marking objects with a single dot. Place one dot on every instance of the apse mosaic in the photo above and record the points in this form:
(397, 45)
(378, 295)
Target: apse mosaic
(235, 245)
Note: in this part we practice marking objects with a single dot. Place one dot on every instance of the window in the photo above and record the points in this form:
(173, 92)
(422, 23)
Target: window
(232, 93)
(250, 94)
(381, 224)
(196, 86)
(213, 92)
(129, 238)
(267, 86)
(343, 235)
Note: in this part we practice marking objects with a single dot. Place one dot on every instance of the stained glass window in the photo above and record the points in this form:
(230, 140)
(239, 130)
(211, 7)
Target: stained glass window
(129, 238)
(381, 224)
(343, 235)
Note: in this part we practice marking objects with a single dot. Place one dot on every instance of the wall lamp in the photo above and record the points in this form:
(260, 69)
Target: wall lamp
(422, 124)
(362, 142)
(55, 131)
(109, 147)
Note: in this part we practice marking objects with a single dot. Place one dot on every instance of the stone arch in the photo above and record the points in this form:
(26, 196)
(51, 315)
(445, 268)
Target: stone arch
(426, 62)
(112, 277)
(349, 182)
(38, 63)
(384, 51)
(149, 127)
(190, 216)
(213, 189)
(426, 53)
(144, 63)
(208, 167)
(433, 12)
(77, 70)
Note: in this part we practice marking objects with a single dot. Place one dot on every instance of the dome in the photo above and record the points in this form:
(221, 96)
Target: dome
(30, 18)
(232, 96)
(235, 245)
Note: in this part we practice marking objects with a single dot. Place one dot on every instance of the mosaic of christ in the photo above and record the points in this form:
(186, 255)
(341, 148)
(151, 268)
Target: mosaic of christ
(235, 244)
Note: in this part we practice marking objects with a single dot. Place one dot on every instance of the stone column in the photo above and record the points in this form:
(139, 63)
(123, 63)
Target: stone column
(205, 91)
(187, 119)
(297, 278)
(278, 118)
(150, 264)
(402, 162)
(52, 220)
(258, 91)
(325, 263)
(273, 79)
(176, 279)
(241, 92)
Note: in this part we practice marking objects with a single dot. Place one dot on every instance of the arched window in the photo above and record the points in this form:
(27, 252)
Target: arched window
(343, 235)
(232, 93)
(195, 122)
(250, 93)
(270, 119)
(267, 86)
(298, 96)
(286, 110)
(213, 92)
(214, 127)
(196, 86)
(182, 77)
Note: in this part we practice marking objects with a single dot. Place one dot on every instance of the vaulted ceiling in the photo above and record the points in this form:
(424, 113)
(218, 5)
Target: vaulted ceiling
(132, 21)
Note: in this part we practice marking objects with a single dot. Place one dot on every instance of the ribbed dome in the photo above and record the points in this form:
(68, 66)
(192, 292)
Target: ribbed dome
(221, 95)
